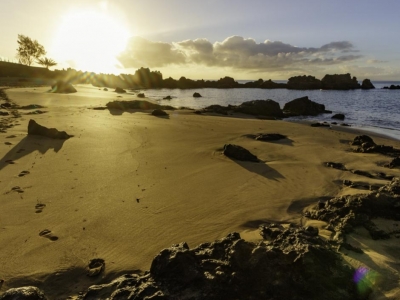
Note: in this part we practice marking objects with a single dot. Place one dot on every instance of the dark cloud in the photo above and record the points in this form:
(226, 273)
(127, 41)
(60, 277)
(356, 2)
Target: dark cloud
(235, 52)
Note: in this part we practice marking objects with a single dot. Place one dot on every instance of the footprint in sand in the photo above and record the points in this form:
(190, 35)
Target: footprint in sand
(8, 143)
(39, 207)
(20, 150)
(17, 189)
(11, 136)
(23, 173)
(10, 161)
(47, 234)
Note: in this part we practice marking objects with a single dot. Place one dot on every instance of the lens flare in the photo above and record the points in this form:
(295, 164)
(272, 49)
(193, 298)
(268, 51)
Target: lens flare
(365, 279)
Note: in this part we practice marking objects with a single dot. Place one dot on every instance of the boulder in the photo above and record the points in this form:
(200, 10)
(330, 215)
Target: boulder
(338, 116)
(268, 137)
(37, 129)
(394, 163)
(140, 95)
(367, 85)
(167, 98)
(361, 139)
(304, 83)
(303, 107)
(196, 95)
(119, 90)
(239, 153)
(392, 87)
(269, 108)
(136, 104)
(23, 293)
(105, 89)
(62, 87)
(218, 109)
(159, 113)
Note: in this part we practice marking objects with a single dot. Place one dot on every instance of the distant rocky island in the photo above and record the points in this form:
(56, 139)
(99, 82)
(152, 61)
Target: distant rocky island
(145, 79)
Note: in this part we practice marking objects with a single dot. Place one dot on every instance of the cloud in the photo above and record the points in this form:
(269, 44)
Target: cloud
(236, 52)
(144, 53)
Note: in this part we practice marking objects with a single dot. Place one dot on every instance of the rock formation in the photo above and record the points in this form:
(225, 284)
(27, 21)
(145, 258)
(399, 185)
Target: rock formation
(197, 95)
(304, 83)
(338, 116)
(339, 82)
(37, 129)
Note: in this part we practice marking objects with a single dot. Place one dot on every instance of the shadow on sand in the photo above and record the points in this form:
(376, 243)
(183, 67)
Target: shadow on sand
(29, 144)
(260, 168)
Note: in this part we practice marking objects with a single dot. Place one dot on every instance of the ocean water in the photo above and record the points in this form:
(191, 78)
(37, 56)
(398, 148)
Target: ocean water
(375, 110)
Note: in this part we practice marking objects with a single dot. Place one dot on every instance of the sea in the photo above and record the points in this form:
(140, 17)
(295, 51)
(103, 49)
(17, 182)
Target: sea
(376, 110)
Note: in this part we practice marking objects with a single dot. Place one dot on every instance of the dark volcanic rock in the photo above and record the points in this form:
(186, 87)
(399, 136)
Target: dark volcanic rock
(338, 116)
(347, 212)
(95, 267)
(267, 137)
(239, 153)
(218, 109)
(62, 87)
(320, 125)
(367, 145)
(159, 113)
(392, 87)
(292, 263)
(339, 82)
(37, 129)
(167, 98)
(394, 163)
(119, 90)
(23, 293)
(136, 104)
(196, 95)
(334, 165)
(367, 85)
(140, 95)
(303, 107)
(268, 108)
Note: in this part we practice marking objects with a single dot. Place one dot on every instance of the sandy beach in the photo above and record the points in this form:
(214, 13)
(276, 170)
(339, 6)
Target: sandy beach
(127, 185)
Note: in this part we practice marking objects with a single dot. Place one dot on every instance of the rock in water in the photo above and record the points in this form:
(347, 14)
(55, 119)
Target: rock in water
(197, 95)
(62, 87)
(239, 153)
(23, 293)
(37, 129)
(268, 108)
(303, 107)
(338, 116)
(367, 84)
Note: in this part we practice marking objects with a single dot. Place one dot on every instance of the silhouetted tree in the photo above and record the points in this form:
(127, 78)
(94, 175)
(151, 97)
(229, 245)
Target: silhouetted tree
(28, 50)
(47, 62)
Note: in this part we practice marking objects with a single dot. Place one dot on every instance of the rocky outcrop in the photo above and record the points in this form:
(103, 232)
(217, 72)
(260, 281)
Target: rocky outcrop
(37, 129)
(367, 85)
(303, 107)
(345, 213)
(339, 82)
(291, 263)
(141, 95)
(218, 109)
(394, 163)
(167, 98)
(62, 87)
(304, 83)
(392, 87)
(268, 108)
(239, 153)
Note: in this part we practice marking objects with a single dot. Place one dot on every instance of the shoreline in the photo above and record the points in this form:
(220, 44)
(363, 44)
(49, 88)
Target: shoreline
(128, 185)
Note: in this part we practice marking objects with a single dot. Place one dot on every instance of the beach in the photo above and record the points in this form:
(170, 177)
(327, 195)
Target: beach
(128, 184)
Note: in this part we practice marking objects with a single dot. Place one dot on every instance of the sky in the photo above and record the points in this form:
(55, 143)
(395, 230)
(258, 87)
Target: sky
(210, 39)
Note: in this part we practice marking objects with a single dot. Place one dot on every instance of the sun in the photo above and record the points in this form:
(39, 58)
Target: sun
(90, 41)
